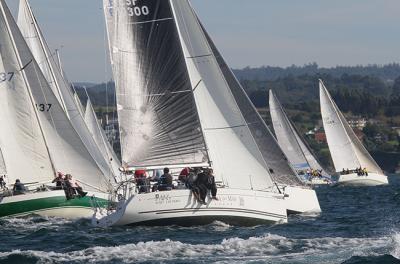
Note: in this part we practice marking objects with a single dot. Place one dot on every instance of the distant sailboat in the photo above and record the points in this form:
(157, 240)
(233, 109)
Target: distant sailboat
(176, 110)
(37, 138)
(348, 153)
(293, 145)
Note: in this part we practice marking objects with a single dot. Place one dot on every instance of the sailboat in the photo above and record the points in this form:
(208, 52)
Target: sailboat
(50, 65)
(177, 109)
(295, 148)
(350, 157)
(38, 139)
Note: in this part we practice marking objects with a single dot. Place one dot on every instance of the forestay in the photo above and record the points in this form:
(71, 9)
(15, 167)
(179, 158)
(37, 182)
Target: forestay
(21, 140)
(346, 149)
(54, 76)
(278, 166)
(289, 139)
(67, 150)
(234, 153)
(159, 125)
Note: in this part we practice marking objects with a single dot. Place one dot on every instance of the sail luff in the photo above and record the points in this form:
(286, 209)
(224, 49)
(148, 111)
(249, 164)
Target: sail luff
(27, 84)
(3, 168)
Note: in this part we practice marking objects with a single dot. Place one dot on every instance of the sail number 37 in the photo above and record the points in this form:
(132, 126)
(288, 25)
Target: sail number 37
(135, 10)
(6, 76)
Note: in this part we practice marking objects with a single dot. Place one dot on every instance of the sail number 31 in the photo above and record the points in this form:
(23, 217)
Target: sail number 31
(6, 76)
(134, 10)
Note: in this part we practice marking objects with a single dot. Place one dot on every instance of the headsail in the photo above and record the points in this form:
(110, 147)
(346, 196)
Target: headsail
(3, 169)
(101, 138)
(52, 73)
(68, 152)
(346, 149)
(231, 145)
(159, 125)
(280, 170)
(290, 141)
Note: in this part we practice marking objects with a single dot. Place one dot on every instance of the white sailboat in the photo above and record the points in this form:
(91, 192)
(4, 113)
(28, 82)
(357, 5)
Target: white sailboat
(177, 109)
(294, 147)
(50, 65)
(347, 151)
(37, 138)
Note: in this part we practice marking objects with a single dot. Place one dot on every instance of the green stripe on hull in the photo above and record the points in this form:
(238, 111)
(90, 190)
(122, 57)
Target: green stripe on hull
(31, 206)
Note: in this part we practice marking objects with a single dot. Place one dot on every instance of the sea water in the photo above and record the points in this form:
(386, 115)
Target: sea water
(357, 225)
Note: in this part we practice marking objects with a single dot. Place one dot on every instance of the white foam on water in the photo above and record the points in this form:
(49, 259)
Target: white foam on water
(270, 247)
(396, 245)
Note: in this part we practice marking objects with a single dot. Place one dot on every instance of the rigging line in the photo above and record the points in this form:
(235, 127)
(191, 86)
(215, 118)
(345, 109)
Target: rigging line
(197, 85)
(26, 65)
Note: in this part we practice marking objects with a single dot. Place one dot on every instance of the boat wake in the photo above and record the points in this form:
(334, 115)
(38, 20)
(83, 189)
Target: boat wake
(268, 248)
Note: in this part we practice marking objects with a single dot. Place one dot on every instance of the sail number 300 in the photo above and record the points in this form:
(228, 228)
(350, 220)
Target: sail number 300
(6, 76)
(134, 10)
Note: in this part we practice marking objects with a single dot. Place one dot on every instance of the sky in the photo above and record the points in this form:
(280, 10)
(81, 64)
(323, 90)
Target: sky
(247, 32)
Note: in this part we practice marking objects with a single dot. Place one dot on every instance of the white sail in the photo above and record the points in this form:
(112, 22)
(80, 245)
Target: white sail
(3, 169)
(290, 141)
(158, 120)
(67, 150)
(101, 138)
(22, 143)
(346, 149)
(279, 168)
(54, 76)
(233, 151)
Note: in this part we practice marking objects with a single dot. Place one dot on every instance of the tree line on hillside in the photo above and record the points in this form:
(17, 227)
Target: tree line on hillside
(387, 72)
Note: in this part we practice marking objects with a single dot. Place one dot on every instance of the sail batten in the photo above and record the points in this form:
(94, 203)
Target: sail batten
(346, 149)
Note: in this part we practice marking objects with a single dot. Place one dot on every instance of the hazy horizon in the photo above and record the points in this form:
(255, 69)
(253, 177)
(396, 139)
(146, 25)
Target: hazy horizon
(257, 33)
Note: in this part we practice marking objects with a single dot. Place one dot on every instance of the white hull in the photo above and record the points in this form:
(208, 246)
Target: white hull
(373, 179)
(301, 200)
(239, 207)
(49, 204)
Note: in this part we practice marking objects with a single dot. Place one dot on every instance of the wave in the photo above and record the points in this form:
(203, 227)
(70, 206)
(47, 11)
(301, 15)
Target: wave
(270, 247)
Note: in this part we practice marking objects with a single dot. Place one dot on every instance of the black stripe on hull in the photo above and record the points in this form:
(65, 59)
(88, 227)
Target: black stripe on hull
(188, 221)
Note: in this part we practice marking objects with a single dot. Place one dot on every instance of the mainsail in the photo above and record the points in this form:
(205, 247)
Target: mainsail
(290, 141)
(49, 65)
(346, 149)
(159, 125)
(278, 166)
(42, 131)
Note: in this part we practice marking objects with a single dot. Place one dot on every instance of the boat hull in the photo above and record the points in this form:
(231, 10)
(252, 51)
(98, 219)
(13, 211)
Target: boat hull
(50, 204)
(301, 200)
(373, 179)
(237, 207)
